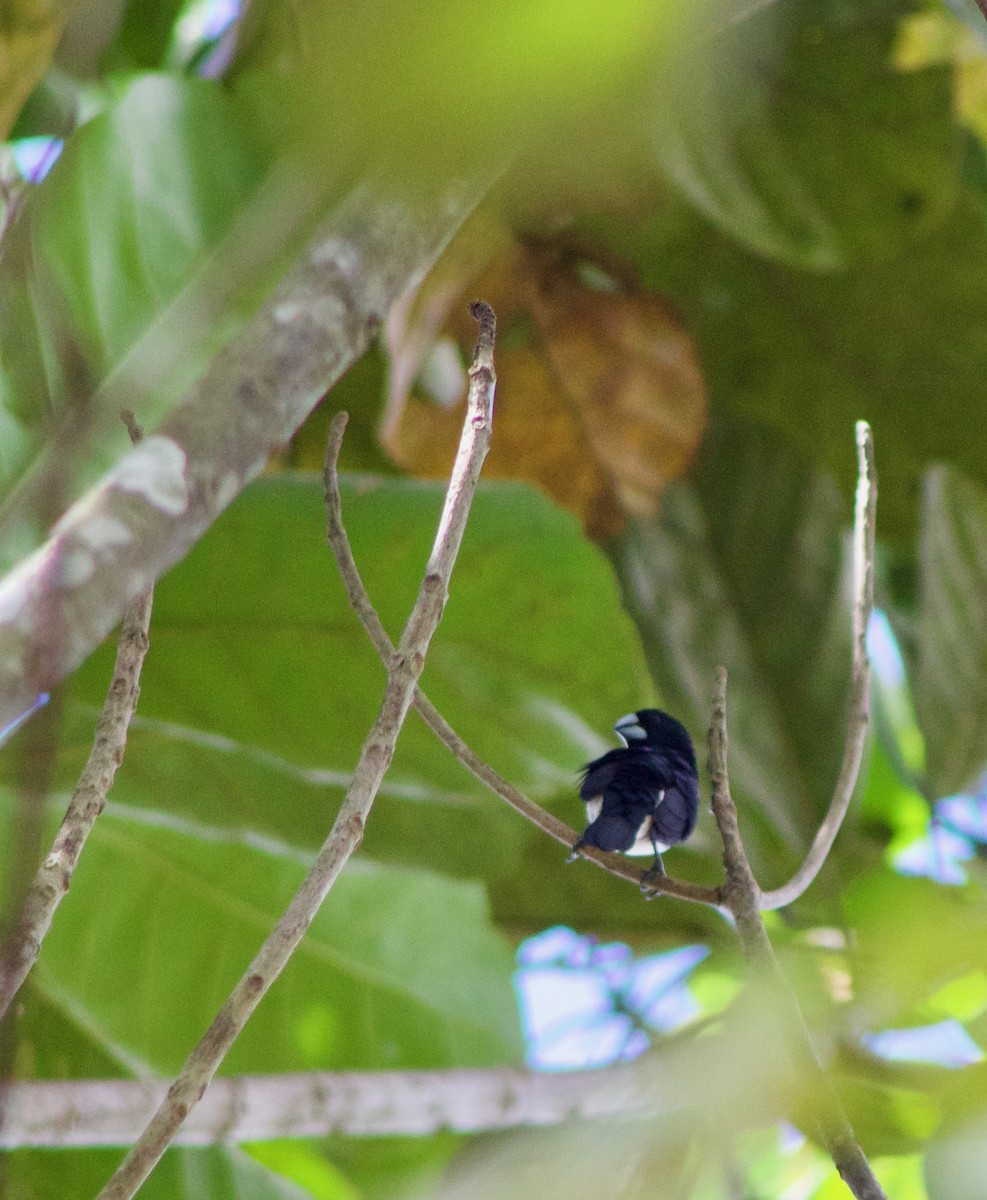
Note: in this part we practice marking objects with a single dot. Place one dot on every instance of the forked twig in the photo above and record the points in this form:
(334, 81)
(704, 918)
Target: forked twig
(364, 609)
(740, 895)
(404, 667)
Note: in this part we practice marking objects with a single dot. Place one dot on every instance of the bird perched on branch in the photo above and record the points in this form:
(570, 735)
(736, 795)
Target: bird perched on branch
(644, 796)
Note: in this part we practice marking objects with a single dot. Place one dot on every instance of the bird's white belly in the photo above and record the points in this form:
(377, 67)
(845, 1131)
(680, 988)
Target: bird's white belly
(643, 844)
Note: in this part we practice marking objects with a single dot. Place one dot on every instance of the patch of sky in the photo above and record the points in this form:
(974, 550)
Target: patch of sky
(590, 1004)
(8, 731)
(946, 1043)
(34, 157)
(198, 33)
(957, 824)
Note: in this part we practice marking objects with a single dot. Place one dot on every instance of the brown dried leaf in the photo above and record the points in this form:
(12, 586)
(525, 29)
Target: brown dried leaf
(600, 397)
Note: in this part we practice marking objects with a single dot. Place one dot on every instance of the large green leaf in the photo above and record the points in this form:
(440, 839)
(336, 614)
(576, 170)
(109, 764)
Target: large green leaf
(261, 685)
(399, 969)
(217, 1173)
(951, 677)
(260, 675)
(745, 569)
(912, 937)
(384, 1167)
(793, 132)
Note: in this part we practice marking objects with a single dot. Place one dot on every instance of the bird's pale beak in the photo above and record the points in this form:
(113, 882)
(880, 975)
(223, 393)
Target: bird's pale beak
(629, 729)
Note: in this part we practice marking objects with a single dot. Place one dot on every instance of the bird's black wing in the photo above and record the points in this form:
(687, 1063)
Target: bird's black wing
(599, 774)
(675, 817)
(633, 784)
(627, 783)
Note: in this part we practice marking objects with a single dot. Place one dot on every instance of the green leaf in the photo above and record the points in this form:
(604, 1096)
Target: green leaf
(954, 1167)
(808, 355)
(260, 685)
(261, 680)
(304, 1162)
(116, 283)
(793, 132)
(951, 676)
(384, 1167)
(912, 938)
(51, 1043)
(745, 569)
(400, 968)
(218, 1173)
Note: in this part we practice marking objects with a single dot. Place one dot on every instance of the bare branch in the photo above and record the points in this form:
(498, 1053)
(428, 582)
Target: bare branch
(89, 798)
(740, 895)
(112, 1112)
(404, 668)
(858, 700)
(146, 513)
(364, 609)
(740, 892)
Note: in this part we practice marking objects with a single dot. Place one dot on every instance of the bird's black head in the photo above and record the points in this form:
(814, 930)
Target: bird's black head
(656, 729)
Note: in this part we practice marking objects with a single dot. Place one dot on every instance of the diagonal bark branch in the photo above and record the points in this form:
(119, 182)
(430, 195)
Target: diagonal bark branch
(147, 512)
(858, 700)
(404, 668)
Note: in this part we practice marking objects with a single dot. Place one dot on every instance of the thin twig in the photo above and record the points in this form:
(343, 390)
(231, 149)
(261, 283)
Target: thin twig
(740, 895)
(858, 700)
(89, 798)
(404, 667)
(364, 609)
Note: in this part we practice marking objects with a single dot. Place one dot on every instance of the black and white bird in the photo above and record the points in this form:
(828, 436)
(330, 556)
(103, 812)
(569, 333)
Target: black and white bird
(644, 796)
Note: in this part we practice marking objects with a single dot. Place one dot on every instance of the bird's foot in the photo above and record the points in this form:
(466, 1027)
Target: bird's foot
(650, 877)
(574, 852)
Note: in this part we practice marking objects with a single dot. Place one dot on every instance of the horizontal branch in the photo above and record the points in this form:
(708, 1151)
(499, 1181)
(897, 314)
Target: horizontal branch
(112, 1112)
(146, 513)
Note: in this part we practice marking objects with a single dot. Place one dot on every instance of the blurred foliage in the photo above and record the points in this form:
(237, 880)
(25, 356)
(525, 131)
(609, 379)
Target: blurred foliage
(181, 1175)
(720, 233)
(602, 401)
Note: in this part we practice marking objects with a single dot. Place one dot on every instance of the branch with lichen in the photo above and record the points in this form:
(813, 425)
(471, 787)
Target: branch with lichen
(112, 1112)
(148, 511)
(403, 669)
